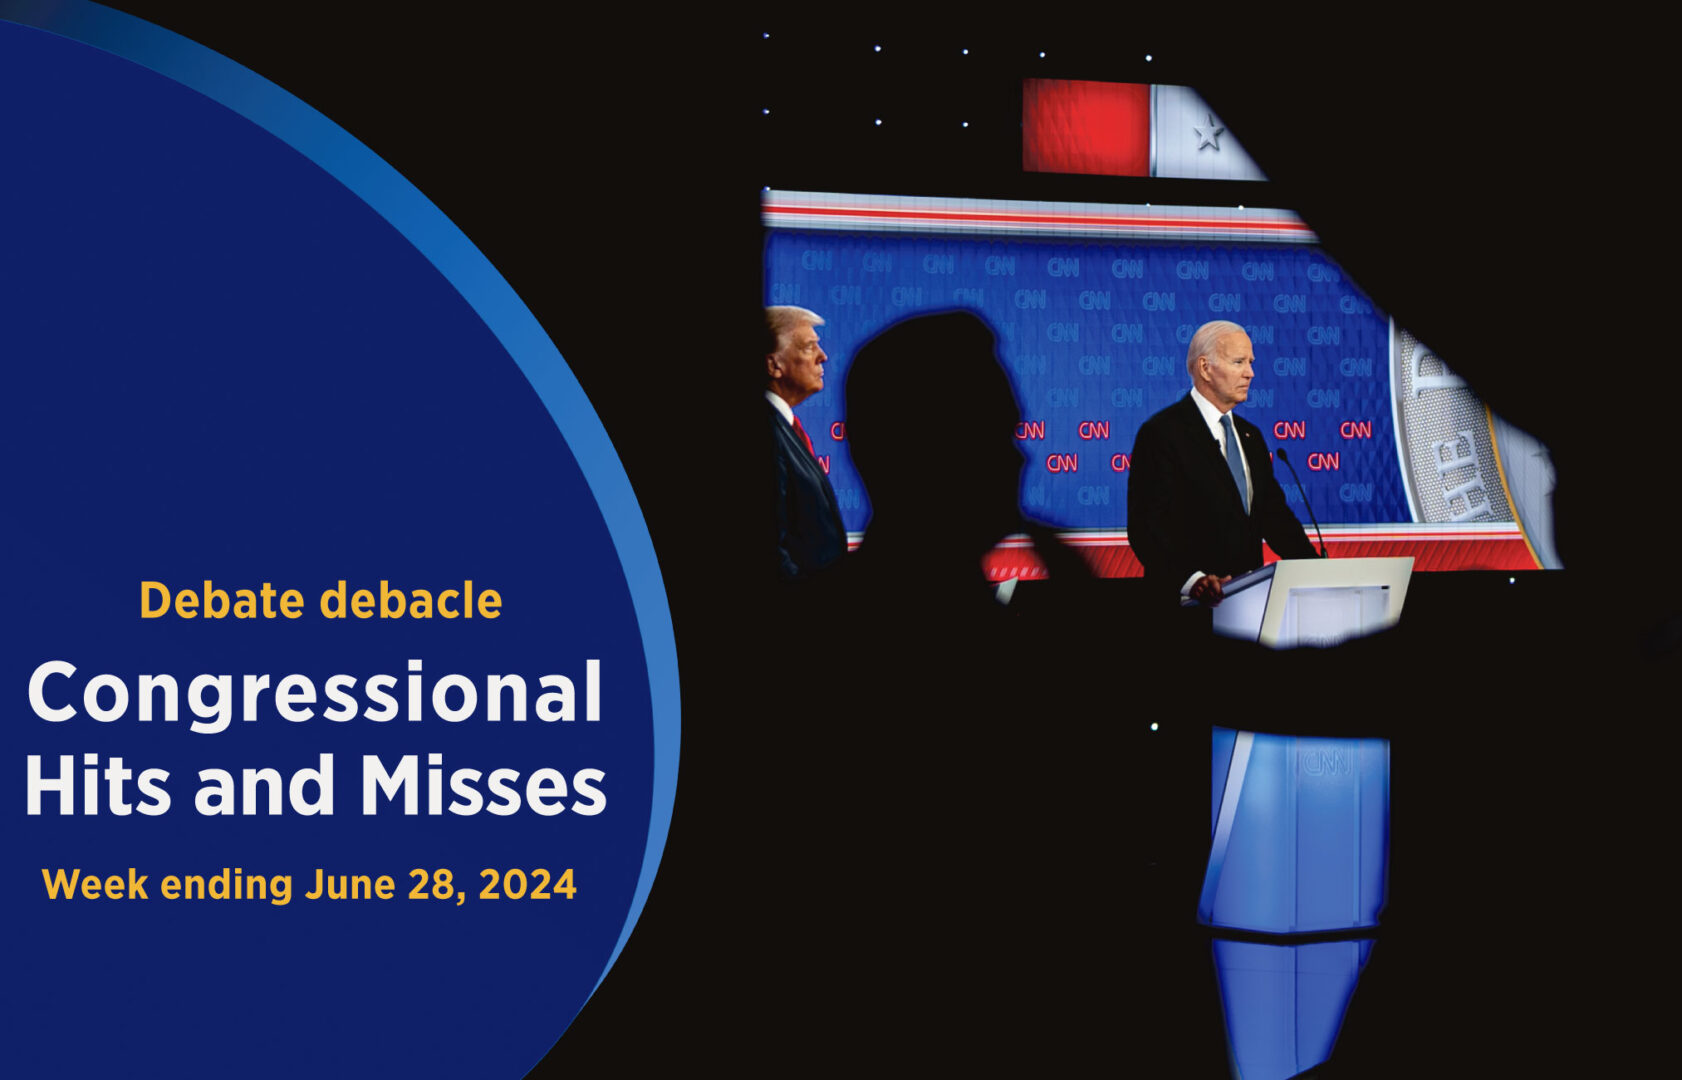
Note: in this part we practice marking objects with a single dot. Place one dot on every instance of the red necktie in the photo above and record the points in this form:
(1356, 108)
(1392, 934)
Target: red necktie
(807, 439)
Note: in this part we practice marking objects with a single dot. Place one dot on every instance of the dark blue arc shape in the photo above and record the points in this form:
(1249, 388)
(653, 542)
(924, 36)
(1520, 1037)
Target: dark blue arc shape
(424, 226)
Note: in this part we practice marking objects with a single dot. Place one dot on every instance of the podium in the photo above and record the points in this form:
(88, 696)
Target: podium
(1300, 827)
(1316, 602)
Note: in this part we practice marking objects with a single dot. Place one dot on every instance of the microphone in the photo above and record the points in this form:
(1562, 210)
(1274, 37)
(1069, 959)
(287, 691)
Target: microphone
(1280, 454)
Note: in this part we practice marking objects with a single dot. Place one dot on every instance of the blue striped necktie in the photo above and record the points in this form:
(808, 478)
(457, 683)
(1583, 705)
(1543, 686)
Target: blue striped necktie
(1235, 460)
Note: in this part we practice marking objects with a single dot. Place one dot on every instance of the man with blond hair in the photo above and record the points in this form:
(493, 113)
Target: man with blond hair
(810, 535)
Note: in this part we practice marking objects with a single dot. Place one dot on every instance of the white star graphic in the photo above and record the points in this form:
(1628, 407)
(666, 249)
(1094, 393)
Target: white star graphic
(1207, 136)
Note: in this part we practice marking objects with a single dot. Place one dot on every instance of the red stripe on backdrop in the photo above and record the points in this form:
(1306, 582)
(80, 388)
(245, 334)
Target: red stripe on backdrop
(1115, 220)
(1116, 558)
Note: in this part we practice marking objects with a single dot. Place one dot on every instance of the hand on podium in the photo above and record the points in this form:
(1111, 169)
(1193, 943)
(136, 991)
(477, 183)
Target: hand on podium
(1206, 590)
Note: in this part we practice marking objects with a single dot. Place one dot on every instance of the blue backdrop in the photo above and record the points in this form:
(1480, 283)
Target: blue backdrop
(1094, 337)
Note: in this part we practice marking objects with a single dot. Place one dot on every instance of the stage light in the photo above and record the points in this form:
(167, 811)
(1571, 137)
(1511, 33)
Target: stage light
(966, 52)
(1512, 581)
(966, 123)
(1153, 725)
(1042, 54)
(878, 121)
(876, 48)
(765, 112)
(1147, 58)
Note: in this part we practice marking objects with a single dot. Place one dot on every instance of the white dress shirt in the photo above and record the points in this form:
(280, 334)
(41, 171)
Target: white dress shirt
(1212, 417)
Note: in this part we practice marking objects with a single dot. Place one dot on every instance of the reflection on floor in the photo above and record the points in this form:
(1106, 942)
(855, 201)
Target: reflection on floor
(1284, 1004)
(1299, 850)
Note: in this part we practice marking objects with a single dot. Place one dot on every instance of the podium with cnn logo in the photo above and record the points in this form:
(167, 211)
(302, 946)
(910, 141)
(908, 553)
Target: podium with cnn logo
(1299, 827)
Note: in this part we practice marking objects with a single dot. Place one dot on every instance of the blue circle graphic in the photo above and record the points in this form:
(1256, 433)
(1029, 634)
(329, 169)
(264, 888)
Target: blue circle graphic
(242, 351)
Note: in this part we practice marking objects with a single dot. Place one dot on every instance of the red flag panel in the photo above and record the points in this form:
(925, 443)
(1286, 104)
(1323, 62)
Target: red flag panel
(1075, 126)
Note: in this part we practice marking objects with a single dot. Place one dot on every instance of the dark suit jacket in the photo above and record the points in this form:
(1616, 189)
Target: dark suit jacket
(810, 535)
(1184, 513)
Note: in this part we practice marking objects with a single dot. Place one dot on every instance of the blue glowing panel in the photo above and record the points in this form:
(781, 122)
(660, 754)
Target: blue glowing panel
(1300, 833)
(1284, 1004)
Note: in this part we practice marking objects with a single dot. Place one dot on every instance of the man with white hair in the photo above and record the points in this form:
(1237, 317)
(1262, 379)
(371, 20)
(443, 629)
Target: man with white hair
(1201, 496)
(810, 535)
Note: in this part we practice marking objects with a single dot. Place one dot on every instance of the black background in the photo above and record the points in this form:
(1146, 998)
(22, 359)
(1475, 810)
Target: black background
(1523, 924)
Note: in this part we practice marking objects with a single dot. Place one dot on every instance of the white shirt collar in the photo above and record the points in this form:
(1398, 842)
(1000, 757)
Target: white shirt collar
(781, 406)
(1211, 416)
